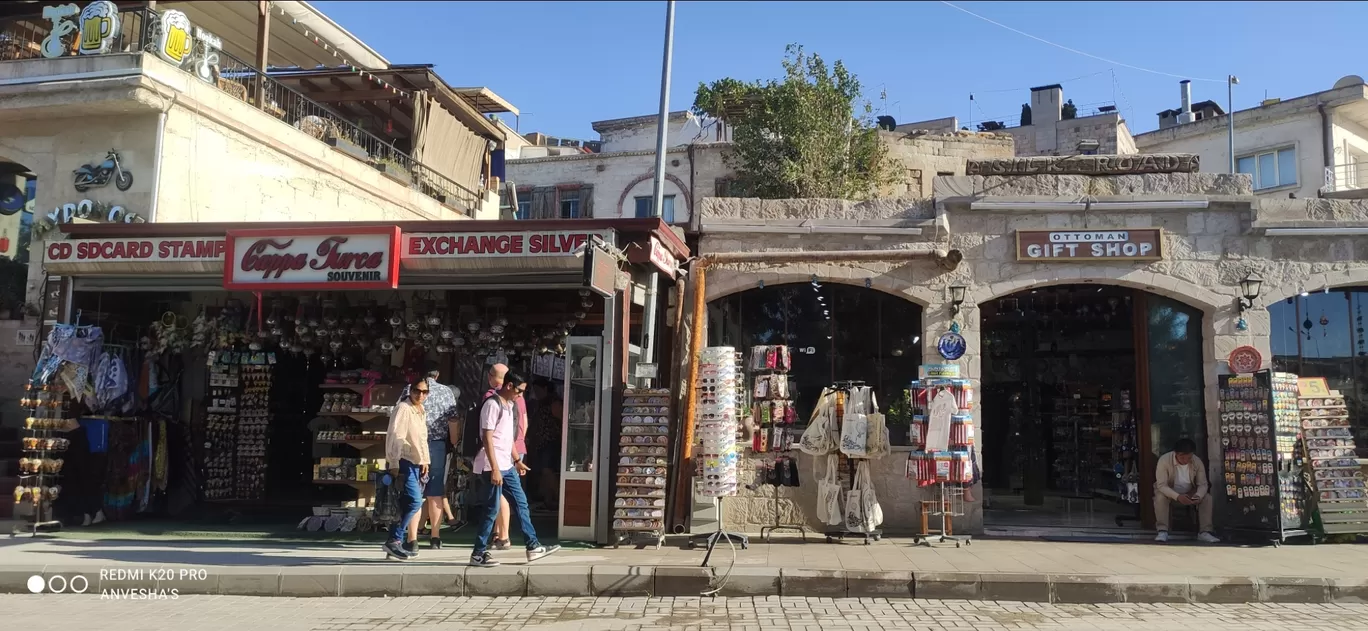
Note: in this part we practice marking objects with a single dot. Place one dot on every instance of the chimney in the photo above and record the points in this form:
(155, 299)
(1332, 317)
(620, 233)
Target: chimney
(1185, 110)
(1047, 103)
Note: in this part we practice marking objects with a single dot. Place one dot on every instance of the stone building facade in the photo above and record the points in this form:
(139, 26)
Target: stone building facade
(1215, 233)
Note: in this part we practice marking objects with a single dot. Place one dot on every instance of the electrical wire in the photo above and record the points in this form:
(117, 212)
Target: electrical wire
(1079, 78)
(1074, 50)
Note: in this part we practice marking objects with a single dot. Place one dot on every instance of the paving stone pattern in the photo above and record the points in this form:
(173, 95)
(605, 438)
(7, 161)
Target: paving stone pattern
(213, 613)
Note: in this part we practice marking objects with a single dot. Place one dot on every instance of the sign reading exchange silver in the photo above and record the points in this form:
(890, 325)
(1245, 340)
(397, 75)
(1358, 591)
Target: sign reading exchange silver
(1136, 244)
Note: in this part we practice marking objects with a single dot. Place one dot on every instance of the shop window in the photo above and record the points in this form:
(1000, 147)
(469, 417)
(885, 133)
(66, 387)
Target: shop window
(643, 208)
(1177, 406)
(524, 209)
(570, 208)
(1270, 169)
(836, 332)
(1322, 334)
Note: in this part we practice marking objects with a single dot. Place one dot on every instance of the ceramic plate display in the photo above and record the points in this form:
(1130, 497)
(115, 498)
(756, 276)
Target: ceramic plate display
(1245, 359)
(951, 345)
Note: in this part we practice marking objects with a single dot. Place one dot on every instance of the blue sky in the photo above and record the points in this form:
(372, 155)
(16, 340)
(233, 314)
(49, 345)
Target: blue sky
(566, 64)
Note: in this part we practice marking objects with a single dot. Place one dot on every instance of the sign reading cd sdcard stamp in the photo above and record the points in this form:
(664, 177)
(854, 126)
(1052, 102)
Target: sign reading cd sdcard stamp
(362, 257)
(1132, 244)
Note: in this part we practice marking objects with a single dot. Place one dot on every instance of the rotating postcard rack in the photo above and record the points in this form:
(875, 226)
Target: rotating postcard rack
(1260, 429)
(718, 418)
(947, 466)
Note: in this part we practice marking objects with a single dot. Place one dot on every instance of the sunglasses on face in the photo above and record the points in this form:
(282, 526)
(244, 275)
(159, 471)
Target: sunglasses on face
(418, 391)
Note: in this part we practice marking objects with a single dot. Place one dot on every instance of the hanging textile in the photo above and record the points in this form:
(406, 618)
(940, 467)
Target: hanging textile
(446, 145)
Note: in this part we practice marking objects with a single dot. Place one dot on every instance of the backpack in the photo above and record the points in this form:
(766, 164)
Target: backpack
(470, 448)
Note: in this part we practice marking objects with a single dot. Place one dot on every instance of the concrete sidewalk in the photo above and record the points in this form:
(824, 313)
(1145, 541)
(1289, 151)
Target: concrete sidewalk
(989, 569)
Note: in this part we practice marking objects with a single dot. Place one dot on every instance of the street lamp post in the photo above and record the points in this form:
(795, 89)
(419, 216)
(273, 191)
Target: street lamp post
(648, 325)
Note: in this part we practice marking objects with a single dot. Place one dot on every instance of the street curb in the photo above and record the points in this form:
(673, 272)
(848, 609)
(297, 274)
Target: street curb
(615, 581)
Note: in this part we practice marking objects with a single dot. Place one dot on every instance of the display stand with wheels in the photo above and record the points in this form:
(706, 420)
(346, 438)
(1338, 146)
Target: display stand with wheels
(948, 504)
(942, 461)
(843, 391)
(1260, 432)
(639, 506)
(720, 397)
(41, 466)
(774, 416)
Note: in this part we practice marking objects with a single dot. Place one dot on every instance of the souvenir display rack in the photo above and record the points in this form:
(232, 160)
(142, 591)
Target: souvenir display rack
(1340, 494)
(351, 398)
(842, 390)
(237, 425)
(1260, 429)
(643, 459)
(946, 471)
(721, 401)
(1125, 446)
(775, 417)
(41, 465)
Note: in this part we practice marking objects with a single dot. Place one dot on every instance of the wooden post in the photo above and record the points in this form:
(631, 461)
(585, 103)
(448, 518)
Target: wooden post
(263, 49)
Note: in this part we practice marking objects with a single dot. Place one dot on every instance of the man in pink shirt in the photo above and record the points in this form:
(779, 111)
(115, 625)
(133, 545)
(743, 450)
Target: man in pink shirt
(502, 537)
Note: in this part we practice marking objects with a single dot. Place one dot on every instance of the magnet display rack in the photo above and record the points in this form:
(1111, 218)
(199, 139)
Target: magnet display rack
(1337, 479)
(774, 416)
(1260, 431)
(842, 390)
(643, 458)
(41, 466)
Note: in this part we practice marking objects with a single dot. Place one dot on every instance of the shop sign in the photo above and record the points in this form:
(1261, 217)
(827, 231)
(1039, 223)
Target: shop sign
(167, 250)
(428, 245)
(600, 271)
(61, 27)
(656, 254)
(85, 209)
(940, 371)
(173, 42)
(1087, 165)
(1138, 244)
(99, 23)
(312, 259)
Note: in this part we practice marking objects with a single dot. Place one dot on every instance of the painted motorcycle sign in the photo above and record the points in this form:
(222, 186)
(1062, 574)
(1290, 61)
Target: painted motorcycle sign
(91, 176)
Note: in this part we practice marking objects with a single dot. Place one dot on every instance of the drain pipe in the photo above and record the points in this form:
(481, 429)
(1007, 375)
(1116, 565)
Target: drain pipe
(1327, 141)
(947, 260)
(157, 168)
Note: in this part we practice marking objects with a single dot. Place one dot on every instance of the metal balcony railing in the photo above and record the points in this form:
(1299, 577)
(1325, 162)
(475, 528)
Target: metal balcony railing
(1346, 177)
(138, 29)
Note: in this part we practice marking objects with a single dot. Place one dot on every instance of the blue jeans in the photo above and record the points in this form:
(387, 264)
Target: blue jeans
(411, 487)
(517, 501)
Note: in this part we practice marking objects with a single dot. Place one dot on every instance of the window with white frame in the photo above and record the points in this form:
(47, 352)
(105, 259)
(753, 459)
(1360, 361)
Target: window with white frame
(1270, 169)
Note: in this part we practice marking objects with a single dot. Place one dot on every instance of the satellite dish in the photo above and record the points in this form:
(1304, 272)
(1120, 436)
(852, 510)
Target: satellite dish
(12, 199)
(1348, 80)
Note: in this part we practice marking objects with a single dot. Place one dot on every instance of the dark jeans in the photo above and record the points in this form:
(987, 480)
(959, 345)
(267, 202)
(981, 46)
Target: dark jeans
(517, 501)
(410, 499)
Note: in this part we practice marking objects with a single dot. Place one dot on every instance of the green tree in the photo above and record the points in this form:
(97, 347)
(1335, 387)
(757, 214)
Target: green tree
(1025, 114)
(1068, 111)
(810, 134)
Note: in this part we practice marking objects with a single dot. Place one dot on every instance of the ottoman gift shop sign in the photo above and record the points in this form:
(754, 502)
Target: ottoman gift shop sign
(1136, 244)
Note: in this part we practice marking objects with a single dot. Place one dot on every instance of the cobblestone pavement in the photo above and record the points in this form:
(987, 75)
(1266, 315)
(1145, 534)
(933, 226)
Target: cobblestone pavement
(211, 613)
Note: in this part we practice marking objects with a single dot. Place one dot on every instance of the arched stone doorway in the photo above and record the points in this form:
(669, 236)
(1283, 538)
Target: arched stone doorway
(836, 332)
(1084, 386)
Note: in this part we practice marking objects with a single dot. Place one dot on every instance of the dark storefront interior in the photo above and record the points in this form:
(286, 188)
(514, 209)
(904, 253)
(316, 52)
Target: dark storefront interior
(1321, 334)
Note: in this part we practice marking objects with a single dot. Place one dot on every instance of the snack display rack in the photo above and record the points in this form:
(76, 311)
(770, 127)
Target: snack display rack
(41, 466)
(1260, 432)
(775, 417)
(1340, 494)
(643, 459)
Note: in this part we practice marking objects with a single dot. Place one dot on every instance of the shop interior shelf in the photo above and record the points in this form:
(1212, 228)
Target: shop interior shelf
(358, 387)
(359, 416)
(360, 483)
(359, 444)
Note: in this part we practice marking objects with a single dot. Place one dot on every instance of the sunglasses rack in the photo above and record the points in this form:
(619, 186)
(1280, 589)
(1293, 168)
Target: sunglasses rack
(774, 415)
(1338, 486)
(643, 465)
(41, 466)
(721, 407)
(1260, 432)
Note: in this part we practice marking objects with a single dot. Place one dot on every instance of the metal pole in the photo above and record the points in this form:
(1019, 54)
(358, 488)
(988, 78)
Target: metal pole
(1231, 80)
(648, 325)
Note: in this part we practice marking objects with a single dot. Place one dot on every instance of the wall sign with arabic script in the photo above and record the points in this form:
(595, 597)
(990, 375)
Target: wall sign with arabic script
(1136, 244)
(312, 258)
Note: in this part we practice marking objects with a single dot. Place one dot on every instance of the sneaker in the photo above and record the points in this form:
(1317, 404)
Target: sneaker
(483, 560)
(395, 551)
(1207, 537)
(411, 547)
(541, 551)
(502, 544)
(1162, 537)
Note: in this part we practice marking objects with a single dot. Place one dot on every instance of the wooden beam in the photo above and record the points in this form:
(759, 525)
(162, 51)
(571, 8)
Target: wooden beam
(355, 95)
(263, 46)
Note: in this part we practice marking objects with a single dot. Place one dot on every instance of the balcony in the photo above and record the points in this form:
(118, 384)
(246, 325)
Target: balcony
(138, 35)
(1346, 181)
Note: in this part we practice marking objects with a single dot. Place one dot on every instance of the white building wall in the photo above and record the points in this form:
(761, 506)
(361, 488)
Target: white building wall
(683, 130)
(1301, 131)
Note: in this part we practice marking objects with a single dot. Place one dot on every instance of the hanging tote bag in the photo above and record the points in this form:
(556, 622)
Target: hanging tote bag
(824, 491)
(832, 500)
(855, 425)
(873, 513)
(855, 517)
(817, 438)
(878, 441)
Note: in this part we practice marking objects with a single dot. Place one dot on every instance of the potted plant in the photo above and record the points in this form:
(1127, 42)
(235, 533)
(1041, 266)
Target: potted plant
(393, 169)
(336, 140)
(898, 416)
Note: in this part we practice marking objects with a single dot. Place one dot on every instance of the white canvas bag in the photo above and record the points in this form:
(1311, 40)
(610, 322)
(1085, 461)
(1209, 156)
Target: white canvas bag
(878, 441)
(832, 502)
(817, 439)
(873, 513)
(855, 425)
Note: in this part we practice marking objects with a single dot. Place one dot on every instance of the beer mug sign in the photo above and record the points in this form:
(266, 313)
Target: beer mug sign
(174, 42)
(99, 23)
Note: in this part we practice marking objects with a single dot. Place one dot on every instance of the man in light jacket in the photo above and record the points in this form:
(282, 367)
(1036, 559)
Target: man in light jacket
(407, 456)
(1181, 478)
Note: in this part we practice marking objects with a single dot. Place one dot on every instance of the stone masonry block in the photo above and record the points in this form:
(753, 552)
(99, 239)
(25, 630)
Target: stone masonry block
(504, 580)
(249, 582)
(1294, 590)
(813, 583)
(1031, 588)
(1349, 590)
(746, 581)
(1223, 589)
(621, 580)
(945, 585)
(682, 581)
(301, 582)
(558, 580)
(1153, 589)
(434, 581)
(1084, 589)
(375, 581)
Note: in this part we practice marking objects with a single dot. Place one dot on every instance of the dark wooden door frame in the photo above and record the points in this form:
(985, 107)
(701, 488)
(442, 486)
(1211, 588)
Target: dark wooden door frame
(1141, 405)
